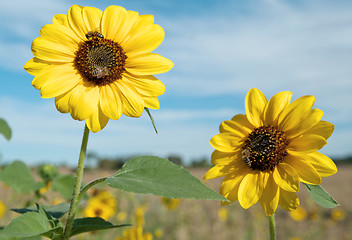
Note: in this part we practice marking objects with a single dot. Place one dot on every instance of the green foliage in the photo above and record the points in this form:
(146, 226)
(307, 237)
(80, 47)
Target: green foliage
(64, 185)
(27, 225)
(320, 196)
(5, 129)
(158, 176)
(47, 172)
(81, 225)
(18, 176)
(56, 211)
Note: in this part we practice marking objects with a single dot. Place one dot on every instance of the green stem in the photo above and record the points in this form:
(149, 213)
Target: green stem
(77, 186)
(272, 227)
(91, 184)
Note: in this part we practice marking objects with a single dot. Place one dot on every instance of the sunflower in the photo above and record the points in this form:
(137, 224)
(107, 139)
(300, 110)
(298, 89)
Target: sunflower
(99, 65)
(96, 208)
(135, 233)
(170, 203)
(265, 154)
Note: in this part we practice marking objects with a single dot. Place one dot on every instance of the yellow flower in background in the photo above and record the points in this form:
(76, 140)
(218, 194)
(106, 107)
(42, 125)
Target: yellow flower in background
(46, 188)
(265, 154)
(139, 212)
(2, 209)
(170, 203)
(121, 216)
(106, 198)
(158, 233)
(222, 214)
(135, 233)
(96, 208)
(99, 65)
(299, 214)
(337, 214)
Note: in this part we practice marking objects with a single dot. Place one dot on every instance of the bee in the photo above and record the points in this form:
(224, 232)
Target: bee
(100, 71)
(93, 34)
(245, 155)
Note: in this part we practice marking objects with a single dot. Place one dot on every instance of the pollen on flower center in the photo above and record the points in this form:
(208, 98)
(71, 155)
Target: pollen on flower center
(99, 60)
(264, 148)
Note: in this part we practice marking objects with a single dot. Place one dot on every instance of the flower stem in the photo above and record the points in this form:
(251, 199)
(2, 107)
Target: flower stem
(272, 227)
(91, 184)
(77, 186)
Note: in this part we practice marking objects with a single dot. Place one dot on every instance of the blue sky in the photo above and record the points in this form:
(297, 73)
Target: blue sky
(221, 49)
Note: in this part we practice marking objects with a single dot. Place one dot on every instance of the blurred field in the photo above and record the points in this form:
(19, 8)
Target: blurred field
(200, 220)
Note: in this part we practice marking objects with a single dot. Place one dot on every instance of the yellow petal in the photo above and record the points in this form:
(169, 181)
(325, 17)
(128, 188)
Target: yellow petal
(151, 102)
(322, 163)
(56, 80)
(130, 20)
(275, 106)
(97, 121)
(84, 101)
(286, 177)
(61, 102)
(148, 85)
(133, 104)
(306, 143)
(91, 18)
(307, 123)
(112, 21)
(142, 22)
(35, 66)
(60, 19)
(230, 185)
(218, 171)
(270, 197)
(251, 189)
(255, 104)
(146, 40)
(292, 116)
(110, 101)
(76, 23)
(234, 128)
(47, 50)
(60, 34)
(147, 64)
(242, 121)
(226, 142)
(288, 200)
(225, 158)
(322, 128)
(307, 173)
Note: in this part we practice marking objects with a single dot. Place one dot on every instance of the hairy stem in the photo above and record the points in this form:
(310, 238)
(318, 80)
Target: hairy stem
(272, 227)
(77, 186)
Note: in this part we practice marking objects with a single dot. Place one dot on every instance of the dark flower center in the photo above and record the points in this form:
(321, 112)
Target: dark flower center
(98, 212)
(264, 148)
(98, 60)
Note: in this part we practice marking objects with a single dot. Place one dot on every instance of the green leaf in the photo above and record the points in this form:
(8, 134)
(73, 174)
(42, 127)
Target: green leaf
(28, 224)
(321, 196)
(64, 185)
(18, 176)
(57, 211)
(81, 225)
(158, 176)
(5, 129)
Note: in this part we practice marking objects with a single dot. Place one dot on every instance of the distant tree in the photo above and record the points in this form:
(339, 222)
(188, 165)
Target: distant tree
(175, 159)
(201, 163)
